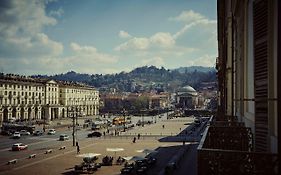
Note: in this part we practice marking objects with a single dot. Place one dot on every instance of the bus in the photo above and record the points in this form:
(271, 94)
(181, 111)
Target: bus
(118, 121)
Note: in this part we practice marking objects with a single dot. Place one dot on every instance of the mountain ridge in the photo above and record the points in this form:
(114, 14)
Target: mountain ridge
(144, 78)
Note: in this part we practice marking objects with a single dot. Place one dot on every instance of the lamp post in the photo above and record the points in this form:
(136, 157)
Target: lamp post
(124, 123)
(73, 126)
(142, 118)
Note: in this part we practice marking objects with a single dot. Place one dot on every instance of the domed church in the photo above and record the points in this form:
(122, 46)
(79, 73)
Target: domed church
(187, 97)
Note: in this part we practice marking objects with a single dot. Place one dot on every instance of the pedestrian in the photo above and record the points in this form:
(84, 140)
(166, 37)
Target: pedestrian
(44, 129)
(134, 140)
(78, 149)
(103, 133)
(138, 136)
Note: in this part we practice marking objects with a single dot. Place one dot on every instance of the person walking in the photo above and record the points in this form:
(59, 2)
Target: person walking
(78, 149)
(134, 140)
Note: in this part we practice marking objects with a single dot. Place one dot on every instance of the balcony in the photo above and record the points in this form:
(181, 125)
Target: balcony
(227, 148)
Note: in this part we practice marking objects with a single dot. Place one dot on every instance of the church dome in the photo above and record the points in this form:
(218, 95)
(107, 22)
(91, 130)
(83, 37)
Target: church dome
(187, 90)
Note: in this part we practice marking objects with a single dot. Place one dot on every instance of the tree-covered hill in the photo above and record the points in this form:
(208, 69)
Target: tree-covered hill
(143, 78)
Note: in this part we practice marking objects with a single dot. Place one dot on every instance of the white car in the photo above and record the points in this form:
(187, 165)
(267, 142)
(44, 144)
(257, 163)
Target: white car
(18, 147)
(24, 132)
(16, 135)
(52, 132)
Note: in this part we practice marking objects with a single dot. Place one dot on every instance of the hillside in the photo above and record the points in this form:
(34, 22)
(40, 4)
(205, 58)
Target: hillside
(143, 78)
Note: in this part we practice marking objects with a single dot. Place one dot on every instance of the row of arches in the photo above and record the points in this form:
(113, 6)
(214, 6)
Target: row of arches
(21, 113)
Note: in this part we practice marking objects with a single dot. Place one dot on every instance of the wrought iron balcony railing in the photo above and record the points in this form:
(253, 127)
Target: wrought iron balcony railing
(226, 148)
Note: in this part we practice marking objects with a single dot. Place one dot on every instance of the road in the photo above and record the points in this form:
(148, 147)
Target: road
(39, 144)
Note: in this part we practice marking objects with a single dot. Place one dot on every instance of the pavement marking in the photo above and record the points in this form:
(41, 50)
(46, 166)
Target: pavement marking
(6, 149)
(43, 141)
(48, 158)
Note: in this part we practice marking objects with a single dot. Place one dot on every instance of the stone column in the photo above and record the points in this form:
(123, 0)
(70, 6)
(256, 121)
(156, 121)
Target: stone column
(59, 112)
(10, 115)
(32, 113)
(95, 109)
(25, 113)
(18, 113)
(1, 115)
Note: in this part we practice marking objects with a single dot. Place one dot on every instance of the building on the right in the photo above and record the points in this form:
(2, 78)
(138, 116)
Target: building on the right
(244, 136)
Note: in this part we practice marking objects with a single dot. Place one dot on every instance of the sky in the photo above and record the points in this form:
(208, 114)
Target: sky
(105, 36)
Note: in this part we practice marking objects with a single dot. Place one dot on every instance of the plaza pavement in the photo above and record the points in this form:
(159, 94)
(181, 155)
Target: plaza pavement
(62, 162)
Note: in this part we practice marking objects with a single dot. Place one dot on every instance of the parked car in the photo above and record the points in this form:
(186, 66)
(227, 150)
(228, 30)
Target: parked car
(94, 134)
(64, 137)
(38, 133)
(12, 120)
(24, 132)
(16, 135)
(6, 132)
(52, 132)
(19, 146)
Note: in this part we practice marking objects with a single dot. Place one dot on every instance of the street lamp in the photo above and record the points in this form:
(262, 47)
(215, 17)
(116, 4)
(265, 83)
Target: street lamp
(73, 126)
(124, 123)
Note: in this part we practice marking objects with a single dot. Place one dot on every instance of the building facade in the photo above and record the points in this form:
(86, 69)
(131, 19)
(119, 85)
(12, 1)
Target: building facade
(23, 98)
(247, 127)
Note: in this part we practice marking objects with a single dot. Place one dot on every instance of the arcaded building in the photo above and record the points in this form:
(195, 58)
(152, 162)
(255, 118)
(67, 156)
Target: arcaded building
(24, 98)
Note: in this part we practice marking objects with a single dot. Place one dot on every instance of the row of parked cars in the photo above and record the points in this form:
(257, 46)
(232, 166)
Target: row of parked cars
(17, 135)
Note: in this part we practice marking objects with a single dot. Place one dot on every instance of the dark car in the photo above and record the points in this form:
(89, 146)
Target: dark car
(38, 133)
(94, 134)
(7, 133)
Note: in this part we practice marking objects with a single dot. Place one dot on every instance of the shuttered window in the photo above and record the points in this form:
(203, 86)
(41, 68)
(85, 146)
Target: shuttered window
(260, 16)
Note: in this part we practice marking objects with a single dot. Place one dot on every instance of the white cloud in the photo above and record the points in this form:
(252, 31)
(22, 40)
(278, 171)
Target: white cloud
(188, 17)
(159, 39)
(90, 55)
(162, 39)
(21, 24)
(192, 19)
(134, 43)
(156, 61)
(205, 60)
(56, 13)
(123, 34)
